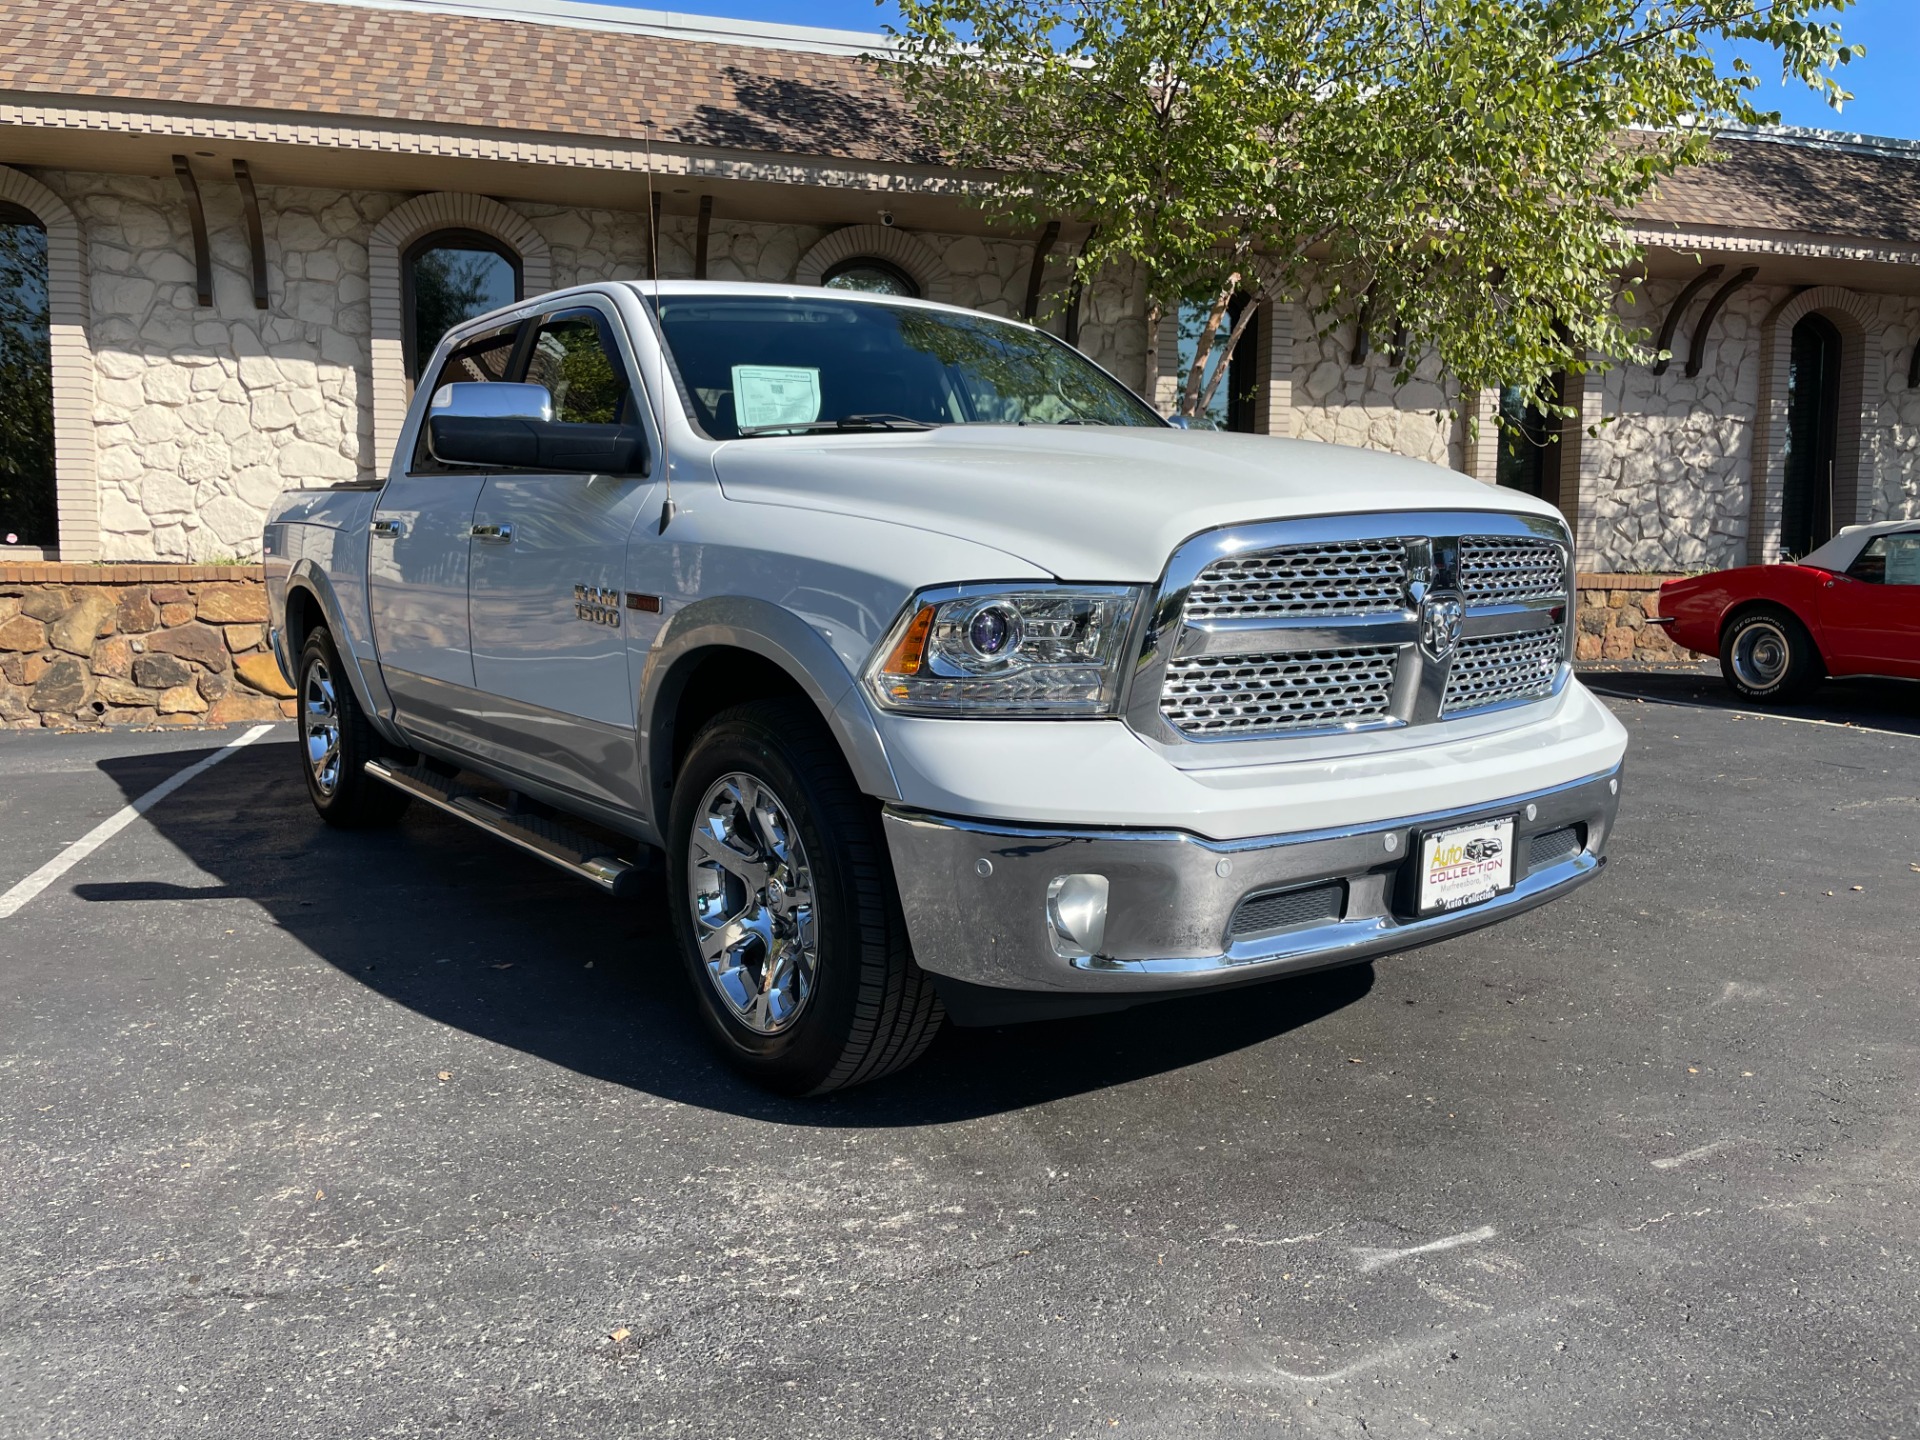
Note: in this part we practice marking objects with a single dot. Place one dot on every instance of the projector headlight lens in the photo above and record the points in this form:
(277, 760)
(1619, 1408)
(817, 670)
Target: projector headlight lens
(1039, 650)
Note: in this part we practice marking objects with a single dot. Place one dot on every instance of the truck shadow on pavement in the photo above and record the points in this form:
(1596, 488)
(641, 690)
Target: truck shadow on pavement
(465, 932)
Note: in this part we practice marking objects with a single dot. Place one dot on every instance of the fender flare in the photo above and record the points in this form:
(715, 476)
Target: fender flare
(762, 628)
(369, 686)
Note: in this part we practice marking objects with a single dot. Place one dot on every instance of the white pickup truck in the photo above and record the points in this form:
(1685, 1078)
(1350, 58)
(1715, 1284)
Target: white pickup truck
(949, 678)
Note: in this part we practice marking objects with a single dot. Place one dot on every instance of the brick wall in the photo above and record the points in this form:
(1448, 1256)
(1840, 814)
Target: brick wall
(93, 645)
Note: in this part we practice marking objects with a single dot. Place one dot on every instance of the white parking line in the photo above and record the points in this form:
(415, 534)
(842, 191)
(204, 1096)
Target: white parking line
(1747, 714)
(1371, 1260)
(1700, 1152)
(91, 841)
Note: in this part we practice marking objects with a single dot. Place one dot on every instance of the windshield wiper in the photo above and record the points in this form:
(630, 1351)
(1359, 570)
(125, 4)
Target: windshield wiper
(879, 421)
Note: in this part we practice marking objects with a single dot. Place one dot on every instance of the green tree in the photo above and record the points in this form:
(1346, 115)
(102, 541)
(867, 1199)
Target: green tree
(1453, 170)
(27, 507)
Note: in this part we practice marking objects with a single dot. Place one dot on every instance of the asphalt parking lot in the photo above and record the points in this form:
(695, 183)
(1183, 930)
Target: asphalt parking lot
(405, 1134)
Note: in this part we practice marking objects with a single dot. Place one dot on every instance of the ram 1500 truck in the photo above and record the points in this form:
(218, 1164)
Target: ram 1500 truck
(948, 677)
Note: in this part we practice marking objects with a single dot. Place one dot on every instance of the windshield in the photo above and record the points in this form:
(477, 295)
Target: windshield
(771, 366)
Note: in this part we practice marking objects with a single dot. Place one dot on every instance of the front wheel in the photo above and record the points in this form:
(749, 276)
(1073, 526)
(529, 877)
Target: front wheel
(1767, 655)
(336, 741)
(785, 908)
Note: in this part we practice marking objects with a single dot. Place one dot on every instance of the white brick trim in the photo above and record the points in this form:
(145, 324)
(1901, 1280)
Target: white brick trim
(881, 242)
(1483, 443)
(76, 495)
(402, 226)
(1853, 476)
(1273, 400)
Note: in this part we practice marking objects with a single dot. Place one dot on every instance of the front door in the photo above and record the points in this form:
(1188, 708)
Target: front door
(1871, 615)
(1807, 517)
(547, 592)
(417, 568)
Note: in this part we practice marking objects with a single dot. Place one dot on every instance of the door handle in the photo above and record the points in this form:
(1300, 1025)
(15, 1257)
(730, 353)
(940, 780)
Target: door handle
(389, 529)
(499, 534)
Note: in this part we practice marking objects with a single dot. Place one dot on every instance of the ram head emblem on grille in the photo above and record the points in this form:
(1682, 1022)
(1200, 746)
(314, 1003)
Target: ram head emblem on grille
(1440, 617)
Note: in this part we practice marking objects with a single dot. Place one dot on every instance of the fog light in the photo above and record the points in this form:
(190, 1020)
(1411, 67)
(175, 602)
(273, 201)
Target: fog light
(1077, 913)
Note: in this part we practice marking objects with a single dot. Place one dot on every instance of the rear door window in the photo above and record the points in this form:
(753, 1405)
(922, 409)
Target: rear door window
(574, 356)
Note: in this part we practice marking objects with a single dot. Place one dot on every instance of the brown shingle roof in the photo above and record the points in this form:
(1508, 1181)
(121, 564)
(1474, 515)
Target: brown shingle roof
(1823, 189)
(308, 57)
(440, 69)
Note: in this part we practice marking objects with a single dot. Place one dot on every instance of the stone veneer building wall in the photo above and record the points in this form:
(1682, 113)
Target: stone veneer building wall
(179, 421)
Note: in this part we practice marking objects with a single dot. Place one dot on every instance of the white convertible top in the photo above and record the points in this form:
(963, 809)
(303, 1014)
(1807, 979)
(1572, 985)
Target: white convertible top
(1843, 549)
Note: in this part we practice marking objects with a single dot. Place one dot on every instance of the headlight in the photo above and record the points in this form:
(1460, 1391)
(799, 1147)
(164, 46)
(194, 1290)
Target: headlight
(974, 650)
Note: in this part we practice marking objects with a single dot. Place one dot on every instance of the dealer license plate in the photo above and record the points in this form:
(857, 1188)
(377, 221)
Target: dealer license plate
(1465, 865)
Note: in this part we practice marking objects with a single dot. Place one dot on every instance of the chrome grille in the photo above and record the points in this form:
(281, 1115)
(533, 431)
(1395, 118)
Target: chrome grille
(1245, 695)
(1349, 577)
(1492, 669)
(1495, 570)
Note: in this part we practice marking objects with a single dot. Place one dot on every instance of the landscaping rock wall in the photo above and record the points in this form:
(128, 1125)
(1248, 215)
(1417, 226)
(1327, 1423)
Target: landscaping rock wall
(135, 645)
(1611, 621)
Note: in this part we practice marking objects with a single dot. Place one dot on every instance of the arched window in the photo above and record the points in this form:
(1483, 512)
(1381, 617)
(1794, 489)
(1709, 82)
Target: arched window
(28, 512)
(1807, 511)
(875, 276)
(450, 276)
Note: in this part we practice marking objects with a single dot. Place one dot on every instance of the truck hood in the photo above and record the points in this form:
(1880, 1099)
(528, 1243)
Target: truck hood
(1088, 503)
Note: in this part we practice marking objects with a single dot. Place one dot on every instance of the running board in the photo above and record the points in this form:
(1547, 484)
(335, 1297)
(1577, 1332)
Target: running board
(549, 840)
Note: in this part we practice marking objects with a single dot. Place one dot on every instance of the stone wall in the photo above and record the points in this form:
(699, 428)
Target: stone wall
(91, 645)
(1893, 444)
(1611, 621)
(1667, 476)
(1346, 404)
(203, 414)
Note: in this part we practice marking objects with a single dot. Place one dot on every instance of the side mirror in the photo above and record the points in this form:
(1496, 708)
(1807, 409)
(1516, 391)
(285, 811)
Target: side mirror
(474, 400)
(511, 427)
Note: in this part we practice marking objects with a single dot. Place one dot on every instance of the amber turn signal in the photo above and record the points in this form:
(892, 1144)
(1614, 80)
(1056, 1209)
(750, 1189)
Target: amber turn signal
(905, 658)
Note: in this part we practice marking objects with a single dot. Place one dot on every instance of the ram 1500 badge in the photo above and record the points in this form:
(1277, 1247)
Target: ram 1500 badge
(948, 677)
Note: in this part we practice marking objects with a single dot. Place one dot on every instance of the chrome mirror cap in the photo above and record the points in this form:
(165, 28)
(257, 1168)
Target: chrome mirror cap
(492, 400)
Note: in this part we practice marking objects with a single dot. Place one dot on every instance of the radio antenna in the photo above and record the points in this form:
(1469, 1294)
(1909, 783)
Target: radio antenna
(659, 333)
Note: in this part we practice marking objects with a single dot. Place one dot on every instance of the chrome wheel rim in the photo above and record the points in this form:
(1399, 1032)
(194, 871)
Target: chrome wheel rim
(751, 893)
(1761, 655)
(320, 727)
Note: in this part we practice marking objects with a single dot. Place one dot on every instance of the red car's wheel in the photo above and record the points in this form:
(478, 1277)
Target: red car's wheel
(1766, 654)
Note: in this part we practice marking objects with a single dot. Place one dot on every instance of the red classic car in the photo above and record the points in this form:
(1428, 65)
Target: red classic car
(1851, 607)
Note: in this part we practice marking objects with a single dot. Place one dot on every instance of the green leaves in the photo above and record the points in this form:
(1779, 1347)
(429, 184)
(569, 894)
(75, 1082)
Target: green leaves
(1463, 163)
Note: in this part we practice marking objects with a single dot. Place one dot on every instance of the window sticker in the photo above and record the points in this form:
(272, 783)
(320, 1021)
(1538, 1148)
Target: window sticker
(1903, 560)
(775, 395)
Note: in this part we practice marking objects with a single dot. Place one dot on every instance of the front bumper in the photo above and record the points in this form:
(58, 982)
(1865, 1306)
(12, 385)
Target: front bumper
(975, 894)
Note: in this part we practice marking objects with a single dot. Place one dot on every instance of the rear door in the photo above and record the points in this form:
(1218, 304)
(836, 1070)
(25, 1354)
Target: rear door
(417, 564)
(549, 564)
(1871, 615)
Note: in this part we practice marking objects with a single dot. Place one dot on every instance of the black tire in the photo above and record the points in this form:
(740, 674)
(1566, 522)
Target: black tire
(868, 1009)
(342, 792)
(1767, 655)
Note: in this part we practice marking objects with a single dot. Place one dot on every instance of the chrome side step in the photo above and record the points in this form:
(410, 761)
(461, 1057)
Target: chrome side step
(551, 841)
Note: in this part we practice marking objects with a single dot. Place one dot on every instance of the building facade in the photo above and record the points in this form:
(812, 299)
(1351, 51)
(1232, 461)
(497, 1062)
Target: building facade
(230, 235)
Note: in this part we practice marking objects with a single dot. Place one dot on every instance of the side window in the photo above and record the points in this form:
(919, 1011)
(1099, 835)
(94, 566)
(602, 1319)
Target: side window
(1903, 558)
(483, 358)
(575, 358)
(1871, 563)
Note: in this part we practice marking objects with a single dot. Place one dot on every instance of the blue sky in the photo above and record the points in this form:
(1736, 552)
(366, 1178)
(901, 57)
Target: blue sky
(1886, 82)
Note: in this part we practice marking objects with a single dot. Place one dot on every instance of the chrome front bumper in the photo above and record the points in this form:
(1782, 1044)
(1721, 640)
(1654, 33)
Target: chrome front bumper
(975, 894)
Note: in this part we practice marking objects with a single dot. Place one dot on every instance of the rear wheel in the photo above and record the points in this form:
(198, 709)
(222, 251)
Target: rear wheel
(336, 741)
(1768, 655)
(785, 908)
